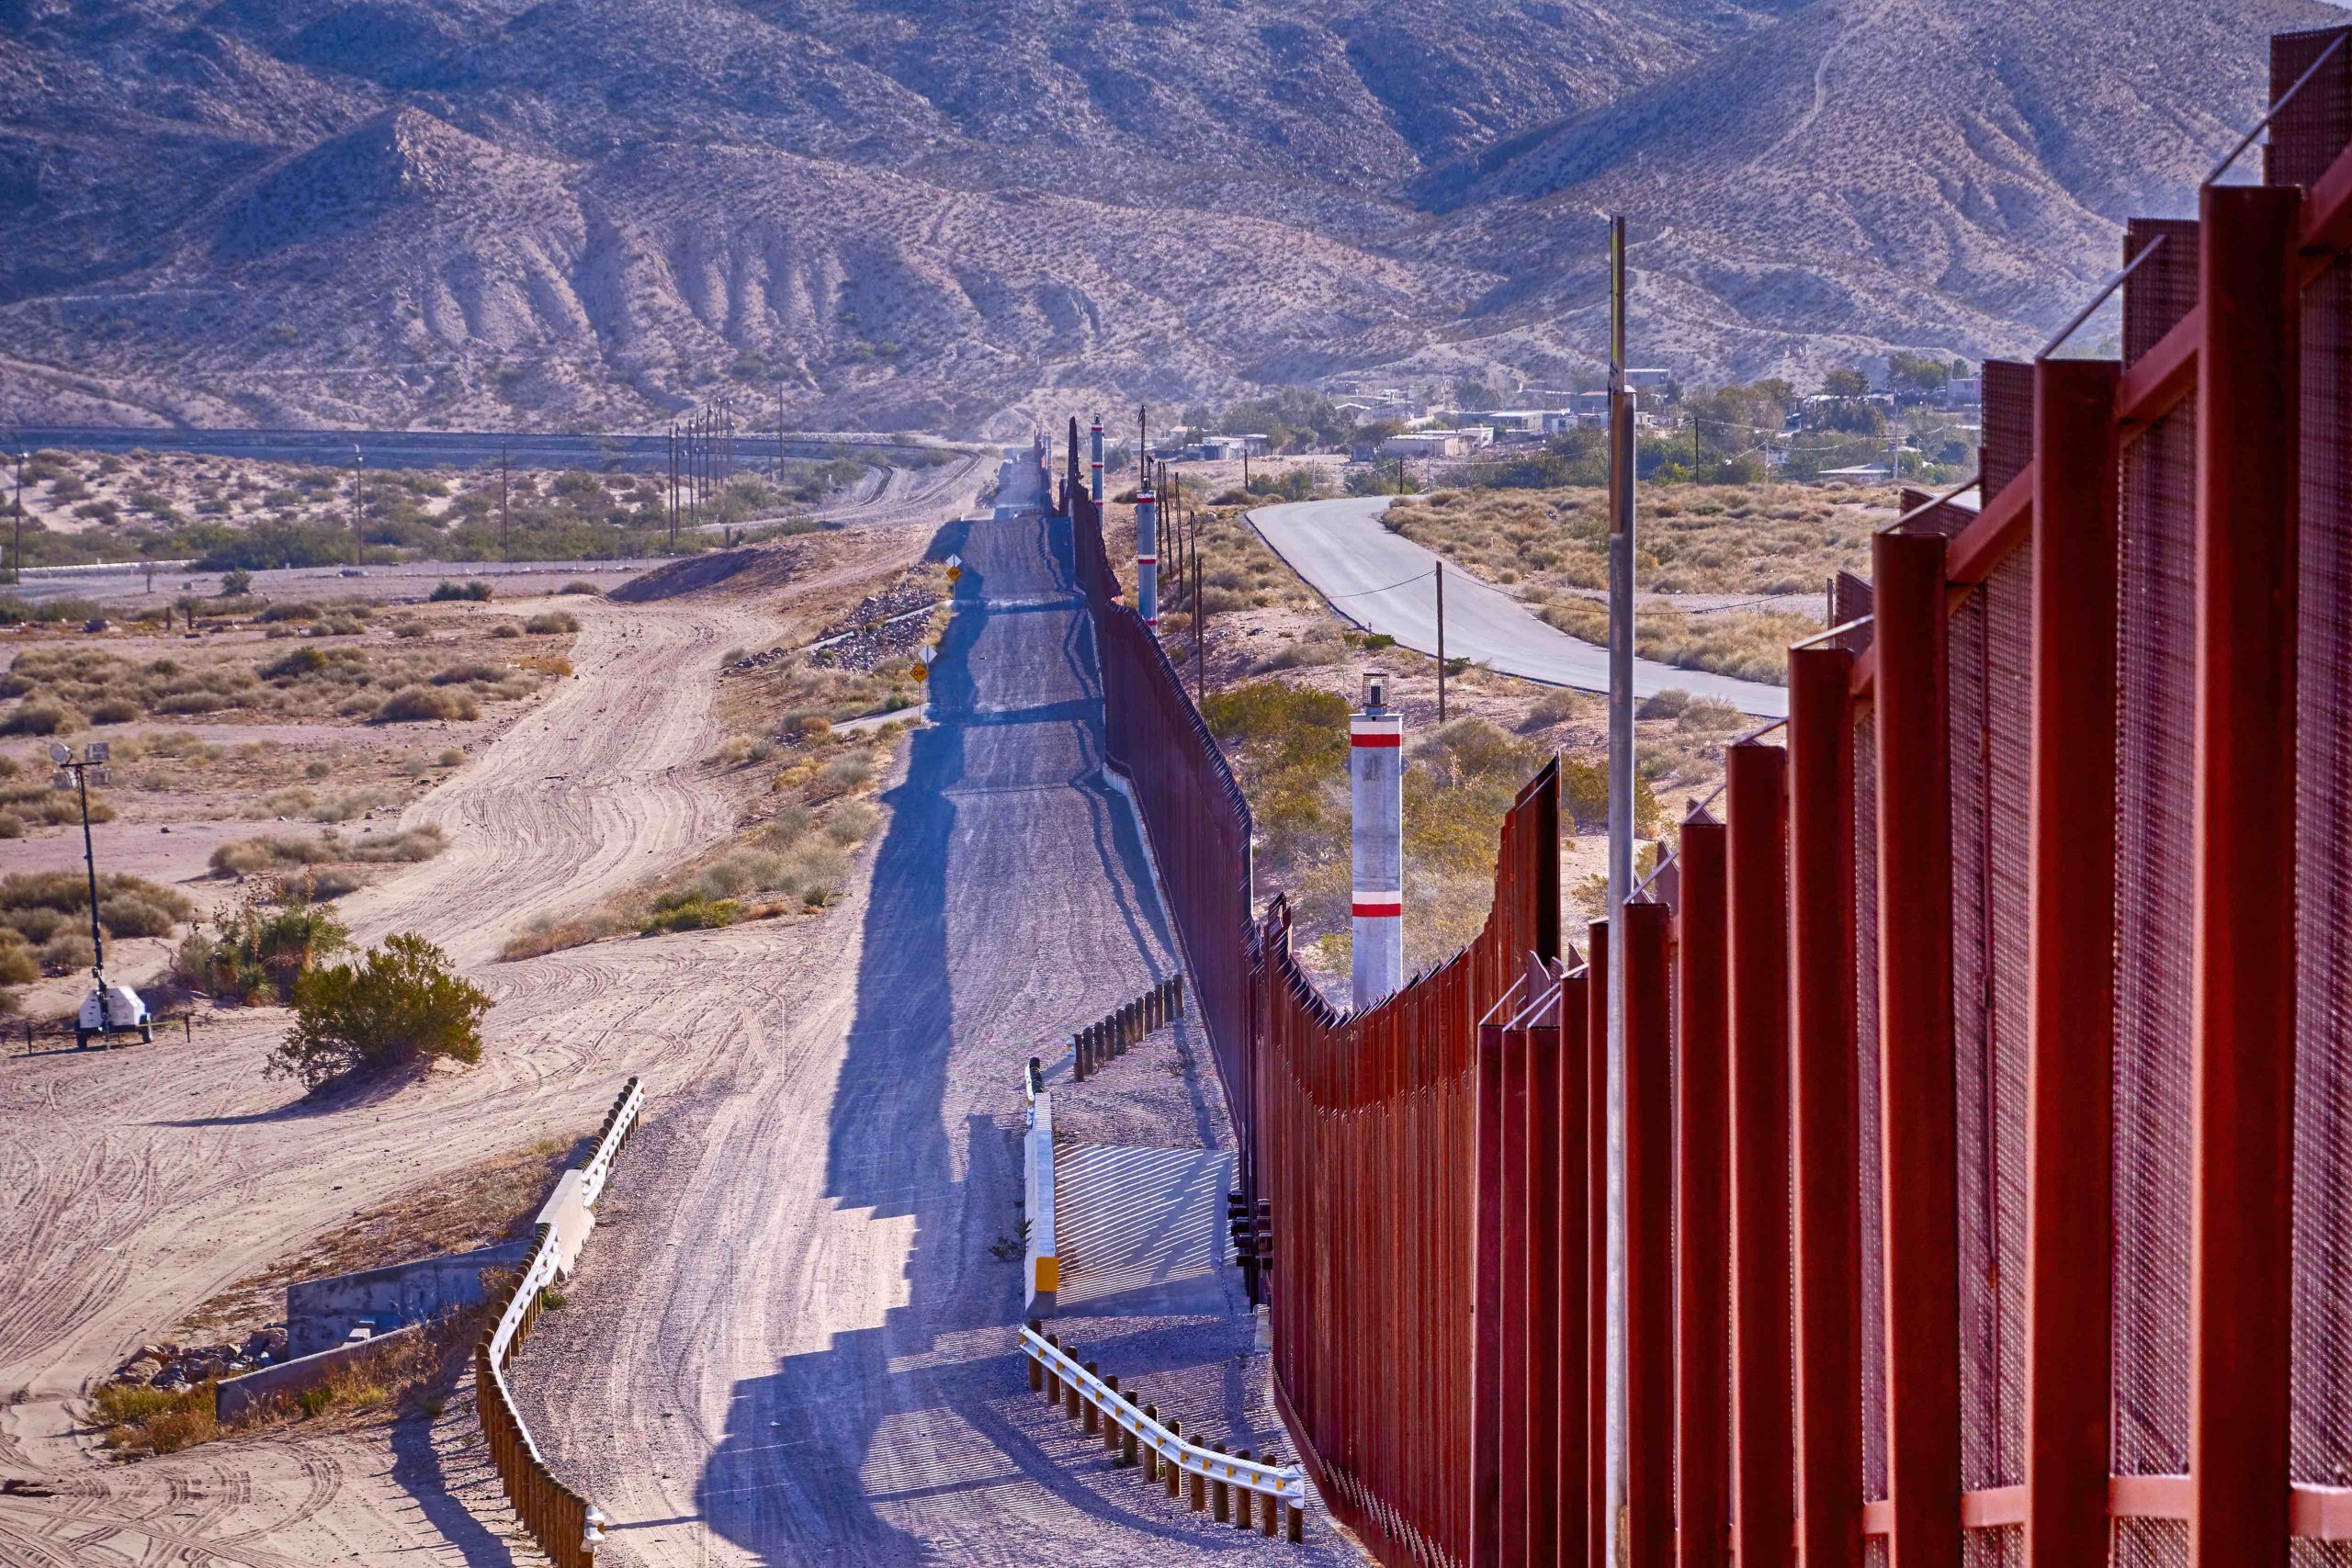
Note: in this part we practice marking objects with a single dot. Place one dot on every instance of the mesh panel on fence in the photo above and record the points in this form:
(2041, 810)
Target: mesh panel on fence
(2155, 732)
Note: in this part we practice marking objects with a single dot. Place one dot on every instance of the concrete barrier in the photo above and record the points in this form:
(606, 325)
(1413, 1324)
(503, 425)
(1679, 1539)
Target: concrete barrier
(232, 1397)
(1041, 1270)
(320, 1313)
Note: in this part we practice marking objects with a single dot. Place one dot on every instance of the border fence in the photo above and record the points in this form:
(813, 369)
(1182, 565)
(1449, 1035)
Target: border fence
(1988, 1139)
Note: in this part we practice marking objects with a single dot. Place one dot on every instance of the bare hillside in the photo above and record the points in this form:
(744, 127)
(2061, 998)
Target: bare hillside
(595, 212)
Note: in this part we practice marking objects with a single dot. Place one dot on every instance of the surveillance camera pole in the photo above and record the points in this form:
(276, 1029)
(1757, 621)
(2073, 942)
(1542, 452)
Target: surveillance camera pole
(79, 770)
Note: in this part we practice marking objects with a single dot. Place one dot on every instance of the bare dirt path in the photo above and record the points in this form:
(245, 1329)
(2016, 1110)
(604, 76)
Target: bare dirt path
(795, 1343)
(134, 1185)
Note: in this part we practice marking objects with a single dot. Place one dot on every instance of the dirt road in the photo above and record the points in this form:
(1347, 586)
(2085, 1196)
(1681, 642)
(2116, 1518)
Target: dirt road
(134, 1185)
(795, 1343)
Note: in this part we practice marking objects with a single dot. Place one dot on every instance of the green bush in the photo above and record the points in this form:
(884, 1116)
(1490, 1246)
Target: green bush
(401, 1007)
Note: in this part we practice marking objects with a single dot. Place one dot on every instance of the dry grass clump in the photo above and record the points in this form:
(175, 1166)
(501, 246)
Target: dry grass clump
(420, 704)
(276, 852)
(49, 912)
(1773, 538)
(27, 799)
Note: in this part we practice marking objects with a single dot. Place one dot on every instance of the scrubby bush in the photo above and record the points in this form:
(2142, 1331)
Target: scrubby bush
(260, 951)
(401, 1007)
(415, 705)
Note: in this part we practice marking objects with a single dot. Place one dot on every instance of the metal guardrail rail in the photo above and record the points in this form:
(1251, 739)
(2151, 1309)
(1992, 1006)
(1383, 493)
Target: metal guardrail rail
(567, 1527)
(1159, 1449)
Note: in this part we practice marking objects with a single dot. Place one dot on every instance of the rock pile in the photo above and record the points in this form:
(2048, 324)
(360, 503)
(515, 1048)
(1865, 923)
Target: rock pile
(171, 1365)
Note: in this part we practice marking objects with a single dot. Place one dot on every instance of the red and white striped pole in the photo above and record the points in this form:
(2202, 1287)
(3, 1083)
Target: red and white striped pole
(1376, 788)
(1147, 553)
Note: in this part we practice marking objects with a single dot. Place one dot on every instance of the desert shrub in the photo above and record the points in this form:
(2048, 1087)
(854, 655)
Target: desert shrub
(692, 912)
(262, 950)
(474, 589)
(551, 621)
(415, 705)
(399, 1008)
(40, 905)
(67, 952)
(40, 718)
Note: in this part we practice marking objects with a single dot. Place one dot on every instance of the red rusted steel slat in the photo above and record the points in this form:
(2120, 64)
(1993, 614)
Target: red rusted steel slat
(2248, 425)
(1763, 1475)
(1650, 1239)
(1826, 1136)
(2070, 1113)
(1915, 1055)
(1702, 1201)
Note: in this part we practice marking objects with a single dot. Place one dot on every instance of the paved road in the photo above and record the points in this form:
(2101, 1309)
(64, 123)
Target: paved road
(792, 1341)
(1382, 582)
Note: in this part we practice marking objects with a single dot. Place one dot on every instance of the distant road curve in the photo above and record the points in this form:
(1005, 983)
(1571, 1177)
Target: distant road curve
(1381, 581)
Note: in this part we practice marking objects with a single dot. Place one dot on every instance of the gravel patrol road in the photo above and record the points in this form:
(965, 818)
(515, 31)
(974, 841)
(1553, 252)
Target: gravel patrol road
(1383, 582)
(793, 1342)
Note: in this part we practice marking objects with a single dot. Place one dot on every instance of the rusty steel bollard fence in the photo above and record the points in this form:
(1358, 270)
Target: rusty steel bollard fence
(1124, 1027)
(564, 1524)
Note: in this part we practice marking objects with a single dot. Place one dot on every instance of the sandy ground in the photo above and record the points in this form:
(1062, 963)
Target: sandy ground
(791, 1339)
(793, 1343)
(134, 1185)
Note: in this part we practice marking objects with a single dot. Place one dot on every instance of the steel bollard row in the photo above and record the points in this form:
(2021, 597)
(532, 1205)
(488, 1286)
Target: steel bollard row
(1230, 1486)
(1126, 1027)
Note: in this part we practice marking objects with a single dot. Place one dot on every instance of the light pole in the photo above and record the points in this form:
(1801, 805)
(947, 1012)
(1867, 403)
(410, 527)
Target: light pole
(77, 770)
(17, 553)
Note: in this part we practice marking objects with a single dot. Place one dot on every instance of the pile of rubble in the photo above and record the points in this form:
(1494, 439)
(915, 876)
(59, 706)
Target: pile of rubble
(176, 1366)
(883, 626)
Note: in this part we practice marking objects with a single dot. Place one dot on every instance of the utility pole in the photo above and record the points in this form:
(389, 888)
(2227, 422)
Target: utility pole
(1620, 867)
(17, 553)
(1441, 642)
(506, 551)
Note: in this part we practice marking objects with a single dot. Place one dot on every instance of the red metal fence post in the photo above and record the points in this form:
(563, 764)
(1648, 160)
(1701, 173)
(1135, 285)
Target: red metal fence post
(1595, 1398)
(1702, 1201)
(1487, 1351)
(1828, 1114)
(1918, 1090)
(1650, 1239)
(1762, 1411)
(2070, 1107)
(2248, 424)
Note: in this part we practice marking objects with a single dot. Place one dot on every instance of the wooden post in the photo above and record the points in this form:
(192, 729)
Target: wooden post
(1827, 1107)
(1703, 1200)
(2243, 1011)
(2070, 1104)
(1762, 1412)
(1917, 1087)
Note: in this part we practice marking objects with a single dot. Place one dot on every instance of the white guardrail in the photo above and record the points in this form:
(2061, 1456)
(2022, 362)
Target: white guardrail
(1286, 1483)
(564, 1224)
(1041, 1264)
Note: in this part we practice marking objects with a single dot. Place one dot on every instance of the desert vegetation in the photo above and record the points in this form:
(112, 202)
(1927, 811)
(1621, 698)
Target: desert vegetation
(401, 1007)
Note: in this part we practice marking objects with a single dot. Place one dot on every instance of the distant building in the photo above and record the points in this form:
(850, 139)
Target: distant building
(1424, 444)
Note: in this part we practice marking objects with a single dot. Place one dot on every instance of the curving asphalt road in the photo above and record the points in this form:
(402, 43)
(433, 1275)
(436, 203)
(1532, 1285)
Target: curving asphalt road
(1382, 582)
